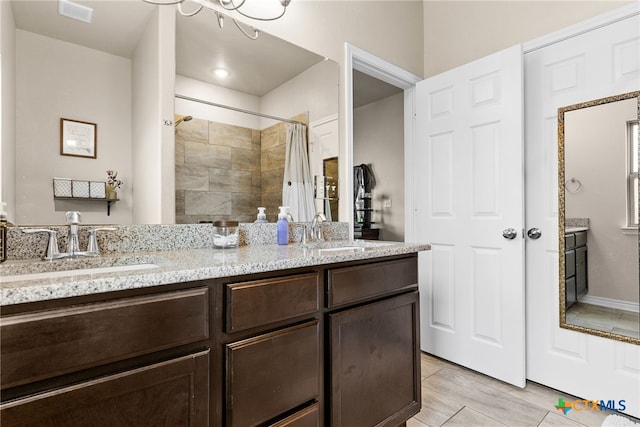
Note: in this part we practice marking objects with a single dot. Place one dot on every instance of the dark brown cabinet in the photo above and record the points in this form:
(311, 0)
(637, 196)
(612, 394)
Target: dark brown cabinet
(172, 393)
(328, 345)
(272, 350)
(108, 363)
(374, 347)
(576, 268)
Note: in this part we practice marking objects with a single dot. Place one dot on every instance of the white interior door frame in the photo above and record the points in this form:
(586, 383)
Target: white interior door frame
(374, 66)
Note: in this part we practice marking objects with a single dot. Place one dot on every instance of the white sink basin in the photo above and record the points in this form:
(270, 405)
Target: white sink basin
(76, 272)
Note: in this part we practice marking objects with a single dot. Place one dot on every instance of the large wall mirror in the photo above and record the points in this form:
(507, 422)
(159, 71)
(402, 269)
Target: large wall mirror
(67, 68)
(598, 217)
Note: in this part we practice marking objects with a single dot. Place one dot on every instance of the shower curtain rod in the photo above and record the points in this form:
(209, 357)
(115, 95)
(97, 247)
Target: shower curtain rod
(240, 110)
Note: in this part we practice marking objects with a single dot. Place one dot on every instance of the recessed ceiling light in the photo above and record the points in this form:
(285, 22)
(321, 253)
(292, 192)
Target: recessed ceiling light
(221, 72)
(75, 11)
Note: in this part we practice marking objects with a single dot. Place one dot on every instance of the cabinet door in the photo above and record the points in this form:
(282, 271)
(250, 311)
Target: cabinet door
(571, 297)
(581, 271)
(375, 363)
(272, 374)
(172, 393)
(570, 263)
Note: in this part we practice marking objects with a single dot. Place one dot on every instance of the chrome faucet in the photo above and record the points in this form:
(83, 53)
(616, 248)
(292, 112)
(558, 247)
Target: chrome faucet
(316, 225)
(73, 245)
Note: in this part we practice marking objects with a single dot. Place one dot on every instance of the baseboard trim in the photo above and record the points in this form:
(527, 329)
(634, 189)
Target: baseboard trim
(611, 303)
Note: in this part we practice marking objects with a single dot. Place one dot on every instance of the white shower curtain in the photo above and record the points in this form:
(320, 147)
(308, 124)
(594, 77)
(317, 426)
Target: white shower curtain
(297, 187)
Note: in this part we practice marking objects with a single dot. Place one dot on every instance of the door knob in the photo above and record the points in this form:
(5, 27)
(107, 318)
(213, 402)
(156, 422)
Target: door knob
(509, 233)
(534, 233)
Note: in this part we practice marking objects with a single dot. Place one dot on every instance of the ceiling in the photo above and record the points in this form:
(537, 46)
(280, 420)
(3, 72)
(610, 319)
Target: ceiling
(256, 66)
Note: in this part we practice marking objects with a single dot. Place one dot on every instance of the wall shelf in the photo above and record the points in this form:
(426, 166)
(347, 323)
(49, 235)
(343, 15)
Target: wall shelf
(89, 199)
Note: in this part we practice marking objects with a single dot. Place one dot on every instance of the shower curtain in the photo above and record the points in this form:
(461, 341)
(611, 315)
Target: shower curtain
(297, 187)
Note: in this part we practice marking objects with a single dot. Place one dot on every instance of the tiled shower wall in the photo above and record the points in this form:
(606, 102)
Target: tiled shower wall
(224, 172)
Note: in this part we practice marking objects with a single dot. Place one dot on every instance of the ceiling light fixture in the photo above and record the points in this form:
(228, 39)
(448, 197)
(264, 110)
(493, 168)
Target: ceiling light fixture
(75, 11)
(221, 72)
(225, 5)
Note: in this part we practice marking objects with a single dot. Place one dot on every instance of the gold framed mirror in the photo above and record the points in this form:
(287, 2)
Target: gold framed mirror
(598, 217)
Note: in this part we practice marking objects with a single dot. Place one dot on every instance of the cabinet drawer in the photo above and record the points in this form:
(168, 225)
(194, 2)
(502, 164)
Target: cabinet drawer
(569, 241)
(170, 393)
(307, 417)
(260, 302)
(271, 374)
(43, 344)
(351, 284)
(581, 238)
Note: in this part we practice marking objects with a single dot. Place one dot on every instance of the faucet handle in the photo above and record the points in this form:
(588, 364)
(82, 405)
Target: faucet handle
(52, 245)
(306, 232)
(92, 246)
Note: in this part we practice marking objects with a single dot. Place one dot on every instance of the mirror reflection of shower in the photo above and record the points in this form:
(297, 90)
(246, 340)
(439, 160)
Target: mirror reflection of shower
(183, 119)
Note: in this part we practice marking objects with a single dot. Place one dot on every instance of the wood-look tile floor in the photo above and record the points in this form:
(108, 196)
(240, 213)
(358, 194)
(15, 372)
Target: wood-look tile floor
(604, 319)
(454, 396)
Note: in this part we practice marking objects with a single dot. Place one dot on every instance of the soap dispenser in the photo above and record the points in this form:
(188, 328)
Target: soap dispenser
(3, 233)
(282, 226)
(262, 216)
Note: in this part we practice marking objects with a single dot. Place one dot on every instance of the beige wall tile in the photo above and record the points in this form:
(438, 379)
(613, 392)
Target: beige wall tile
(207, 203)
(233, 181)
(179, 152)
(246, 160)
(230, 136)
(195, 130)
(192, 178)
(272, 180)
(207, 155)
(179, 202)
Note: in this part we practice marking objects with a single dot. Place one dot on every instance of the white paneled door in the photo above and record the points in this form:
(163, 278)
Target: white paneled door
(594, 64)
(468, 204)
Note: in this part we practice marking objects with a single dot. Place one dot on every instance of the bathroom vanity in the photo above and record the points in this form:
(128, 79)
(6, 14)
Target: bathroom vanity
(258, 335)
(576, 273)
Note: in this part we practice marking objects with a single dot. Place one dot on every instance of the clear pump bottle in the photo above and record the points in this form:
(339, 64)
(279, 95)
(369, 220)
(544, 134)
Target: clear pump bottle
(262, 216)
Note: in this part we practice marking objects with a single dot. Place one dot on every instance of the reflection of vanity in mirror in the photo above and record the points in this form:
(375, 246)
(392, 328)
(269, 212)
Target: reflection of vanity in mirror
(104, 91)
(598, 217)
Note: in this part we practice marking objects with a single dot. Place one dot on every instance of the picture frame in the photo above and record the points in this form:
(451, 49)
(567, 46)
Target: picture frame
(78, 138)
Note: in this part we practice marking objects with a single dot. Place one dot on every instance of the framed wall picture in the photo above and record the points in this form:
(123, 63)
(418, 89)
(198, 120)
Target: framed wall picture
(78, 138)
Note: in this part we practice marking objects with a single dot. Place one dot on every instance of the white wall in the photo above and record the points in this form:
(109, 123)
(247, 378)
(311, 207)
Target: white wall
(153, 102)
(8, 116)
(208, 92)
(57, 79)
(458, 32)
(595, 154)
(314, 90)
(378, 133)
(392, 30)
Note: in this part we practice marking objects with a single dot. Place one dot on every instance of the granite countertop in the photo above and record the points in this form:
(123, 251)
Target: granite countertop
(575, 229)
(175, 266)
